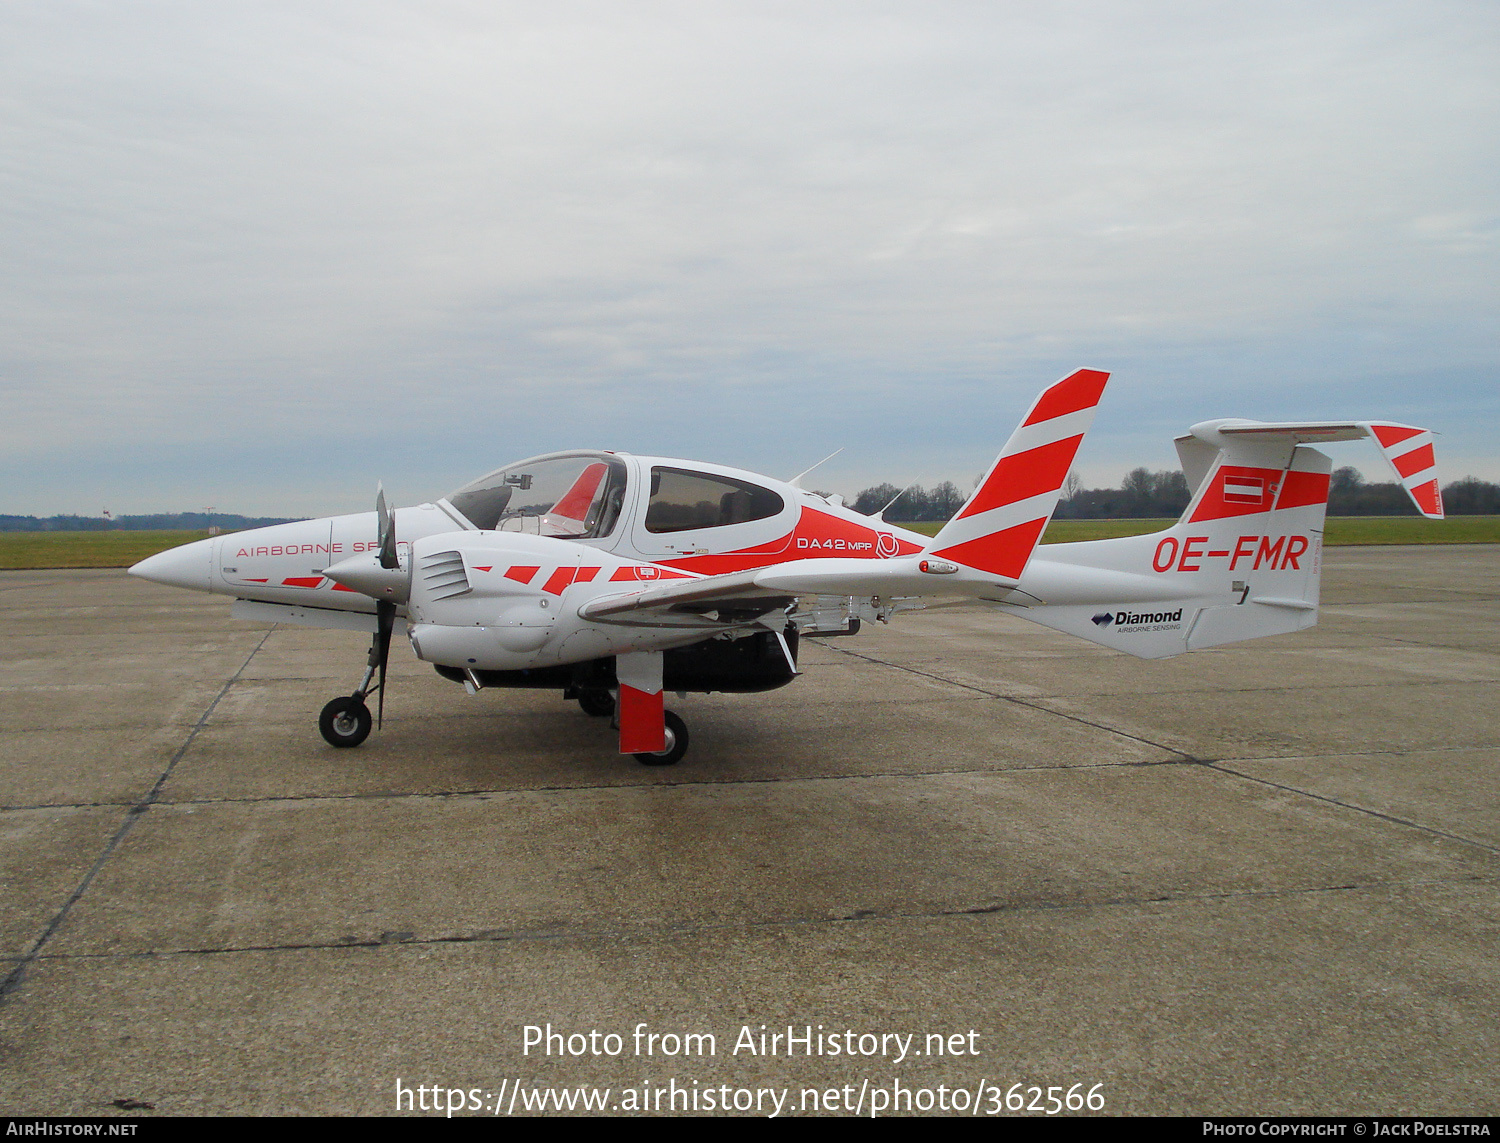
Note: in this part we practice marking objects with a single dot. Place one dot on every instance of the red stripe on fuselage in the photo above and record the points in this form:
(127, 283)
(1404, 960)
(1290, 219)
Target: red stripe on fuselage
(817, 535)
(647, 574)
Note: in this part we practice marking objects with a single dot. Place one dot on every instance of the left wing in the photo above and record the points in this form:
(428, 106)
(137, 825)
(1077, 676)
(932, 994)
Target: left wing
(682, 593)
(764, 589)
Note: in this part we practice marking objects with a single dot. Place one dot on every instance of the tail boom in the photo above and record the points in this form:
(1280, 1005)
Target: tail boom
(1244, 561)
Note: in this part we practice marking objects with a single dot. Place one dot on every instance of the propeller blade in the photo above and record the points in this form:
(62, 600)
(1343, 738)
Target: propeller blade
(385, 618)
(386, 533)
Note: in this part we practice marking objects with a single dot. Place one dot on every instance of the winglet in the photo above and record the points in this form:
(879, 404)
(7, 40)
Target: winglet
(1408, 450)
(997, 530)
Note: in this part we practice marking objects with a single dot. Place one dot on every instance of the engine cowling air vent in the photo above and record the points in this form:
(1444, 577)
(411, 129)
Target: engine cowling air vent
(443, 575)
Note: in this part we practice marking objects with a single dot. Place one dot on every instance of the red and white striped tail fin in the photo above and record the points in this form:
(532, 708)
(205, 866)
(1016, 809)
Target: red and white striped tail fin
(1408, 450)
(1244, 561)
(998, 529)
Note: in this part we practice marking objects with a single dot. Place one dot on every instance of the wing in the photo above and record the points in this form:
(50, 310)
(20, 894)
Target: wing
(734, 594)
(759, 591)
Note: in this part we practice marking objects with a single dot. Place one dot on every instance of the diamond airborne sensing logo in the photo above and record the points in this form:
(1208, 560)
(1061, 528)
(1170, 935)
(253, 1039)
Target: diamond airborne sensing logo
(1104, 618)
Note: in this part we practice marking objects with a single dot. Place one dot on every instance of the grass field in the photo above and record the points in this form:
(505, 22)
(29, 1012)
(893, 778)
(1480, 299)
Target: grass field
(86, 549)
(28, 550)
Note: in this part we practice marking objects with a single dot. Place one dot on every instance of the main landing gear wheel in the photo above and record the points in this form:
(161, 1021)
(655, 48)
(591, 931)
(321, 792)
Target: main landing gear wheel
(677, 744)
(600, 704)
(345, 722)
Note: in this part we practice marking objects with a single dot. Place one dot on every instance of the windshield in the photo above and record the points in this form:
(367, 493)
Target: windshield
(574, 497)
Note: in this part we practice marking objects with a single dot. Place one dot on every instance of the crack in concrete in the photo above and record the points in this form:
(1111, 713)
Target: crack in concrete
(857, 916)
(1183, 755)
(136, 810)
(1404, 684)
(1205, 762)
(1330, 800)
(704, 783)
(588, 787)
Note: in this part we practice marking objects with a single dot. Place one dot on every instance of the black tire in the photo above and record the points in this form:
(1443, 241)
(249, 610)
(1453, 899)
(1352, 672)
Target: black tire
(677, 744)
(345, 722)
(600, 704)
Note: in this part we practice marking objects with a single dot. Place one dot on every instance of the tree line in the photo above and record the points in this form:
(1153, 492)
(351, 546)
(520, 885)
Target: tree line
(1142, 494)
(1145, 494)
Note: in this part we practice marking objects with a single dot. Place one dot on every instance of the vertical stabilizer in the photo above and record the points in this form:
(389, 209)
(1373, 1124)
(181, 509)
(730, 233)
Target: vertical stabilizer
(1244, 561)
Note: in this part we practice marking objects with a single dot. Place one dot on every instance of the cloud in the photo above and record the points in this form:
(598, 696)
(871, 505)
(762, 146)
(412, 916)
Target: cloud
(339, 240)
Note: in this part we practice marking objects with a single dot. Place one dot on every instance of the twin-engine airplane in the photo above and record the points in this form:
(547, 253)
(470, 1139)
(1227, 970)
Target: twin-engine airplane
(614, 578)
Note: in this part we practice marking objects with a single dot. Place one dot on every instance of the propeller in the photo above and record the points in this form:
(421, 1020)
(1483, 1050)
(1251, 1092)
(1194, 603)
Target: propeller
(386, 530)
(379, 575)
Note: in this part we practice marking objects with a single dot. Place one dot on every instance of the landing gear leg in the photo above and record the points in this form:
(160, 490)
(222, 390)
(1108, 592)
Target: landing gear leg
(346, 721)
(656, 736)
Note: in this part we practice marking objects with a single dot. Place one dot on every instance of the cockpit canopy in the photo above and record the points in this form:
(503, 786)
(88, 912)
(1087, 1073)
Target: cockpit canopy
(574, 496)
(582, 496)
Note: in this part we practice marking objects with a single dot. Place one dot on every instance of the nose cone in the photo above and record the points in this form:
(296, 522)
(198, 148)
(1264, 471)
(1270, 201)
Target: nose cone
(188, 566)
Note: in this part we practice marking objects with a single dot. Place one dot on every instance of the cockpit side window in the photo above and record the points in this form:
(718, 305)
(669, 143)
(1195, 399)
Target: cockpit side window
(683, 501)
(566, 497)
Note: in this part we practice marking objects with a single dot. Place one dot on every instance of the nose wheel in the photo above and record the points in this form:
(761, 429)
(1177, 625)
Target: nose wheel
(677, 744)
(345, 721)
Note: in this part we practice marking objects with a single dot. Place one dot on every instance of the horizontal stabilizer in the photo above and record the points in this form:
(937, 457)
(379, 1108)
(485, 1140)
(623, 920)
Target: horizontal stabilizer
(1406, 449)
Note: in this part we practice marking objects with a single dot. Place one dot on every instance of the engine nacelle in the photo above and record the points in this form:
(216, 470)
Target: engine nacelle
(487, 599)
(507, 601)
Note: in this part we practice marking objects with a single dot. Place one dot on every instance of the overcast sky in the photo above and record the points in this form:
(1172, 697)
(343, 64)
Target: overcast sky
(258, 256)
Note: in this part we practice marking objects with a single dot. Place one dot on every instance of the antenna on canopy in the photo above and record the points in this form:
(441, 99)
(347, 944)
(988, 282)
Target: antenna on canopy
(795, 481)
